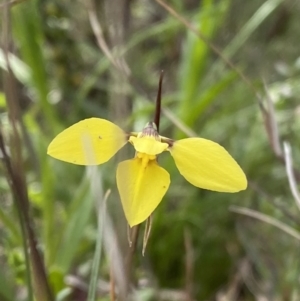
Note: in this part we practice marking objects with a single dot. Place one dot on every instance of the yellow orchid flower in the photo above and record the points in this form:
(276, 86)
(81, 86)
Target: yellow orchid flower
(141, 182)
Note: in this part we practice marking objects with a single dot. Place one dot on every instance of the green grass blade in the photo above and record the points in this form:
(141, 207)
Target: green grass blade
(97, 256)
(28, 31)
(206, 98)
(245, 33)
(253, 23)
(195, 54)
(47, 181)
(78, 218)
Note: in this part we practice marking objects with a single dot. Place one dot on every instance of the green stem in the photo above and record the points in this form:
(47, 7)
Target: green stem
(97, 256)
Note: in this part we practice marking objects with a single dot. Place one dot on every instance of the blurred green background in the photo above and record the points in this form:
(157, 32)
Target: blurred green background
(199, 249)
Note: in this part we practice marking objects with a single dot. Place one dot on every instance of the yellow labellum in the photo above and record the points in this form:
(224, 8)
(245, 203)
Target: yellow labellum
(141, 182)
(208, 165)
(91, 141)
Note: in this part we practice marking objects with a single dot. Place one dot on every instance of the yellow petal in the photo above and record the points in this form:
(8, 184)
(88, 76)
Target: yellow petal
(89, 142)
(208, 165)
(148, 145)
(141, 188)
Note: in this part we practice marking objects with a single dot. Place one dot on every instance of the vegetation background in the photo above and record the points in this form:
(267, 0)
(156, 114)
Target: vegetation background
(64, 61)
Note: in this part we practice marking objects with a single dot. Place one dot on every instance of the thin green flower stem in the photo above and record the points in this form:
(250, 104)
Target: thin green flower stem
(97, 256)
(21, 218)
(134, 234)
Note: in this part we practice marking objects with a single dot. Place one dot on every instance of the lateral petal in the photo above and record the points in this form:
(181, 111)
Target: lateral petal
(91, 141)
(141, 188)
(208, 165)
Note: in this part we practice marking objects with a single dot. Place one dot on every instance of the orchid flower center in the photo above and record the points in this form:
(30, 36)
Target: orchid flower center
(148, 141)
